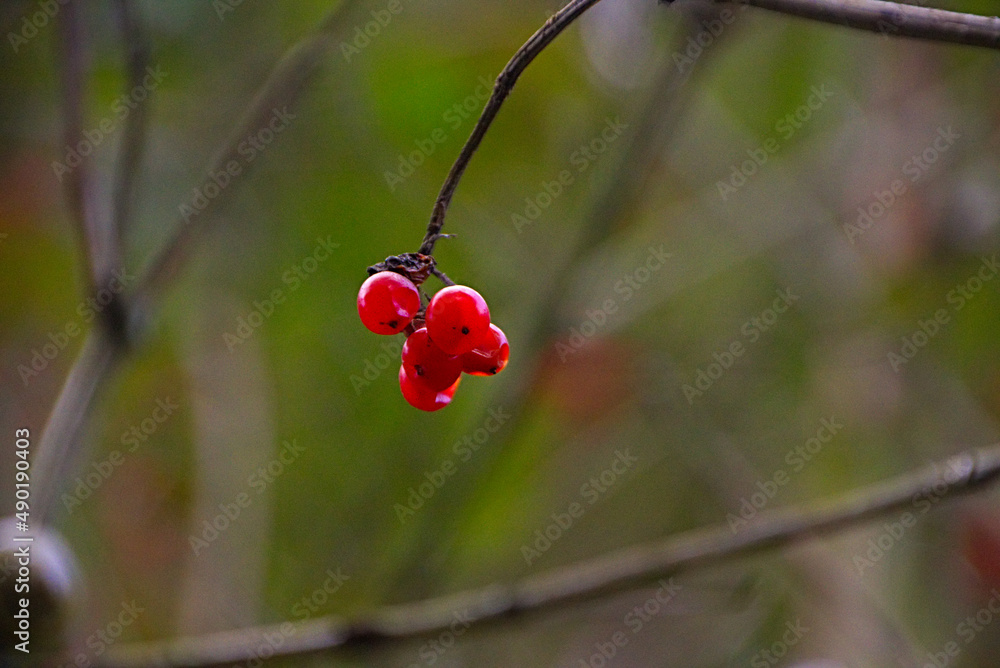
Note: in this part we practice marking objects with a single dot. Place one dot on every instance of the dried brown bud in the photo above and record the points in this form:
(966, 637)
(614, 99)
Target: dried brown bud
(415, 266)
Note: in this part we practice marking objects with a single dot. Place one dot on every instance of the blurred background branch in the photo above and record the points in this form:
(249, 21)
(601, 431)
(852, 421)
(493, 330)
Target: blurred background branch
(137, 51)
(892, 19)
(625, 569)
(98, 246)
(63, 439)
(62, 442)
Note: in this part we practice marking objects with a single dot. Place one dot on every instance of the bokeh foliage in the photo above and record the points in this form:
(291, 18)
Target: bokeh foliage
(324, 177)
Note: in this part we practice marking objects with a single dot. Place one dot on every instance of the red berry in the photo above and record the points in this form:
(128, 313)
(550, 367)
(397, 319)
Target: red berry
(458, 319)
(489, 357)
(422, 358)
(387, 302)
(422, 397)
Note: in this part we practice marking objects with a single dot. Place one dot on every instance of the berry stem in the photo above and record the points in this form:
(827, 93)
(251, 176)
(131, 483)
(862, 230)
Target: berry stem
(442, 276)
(501, 89)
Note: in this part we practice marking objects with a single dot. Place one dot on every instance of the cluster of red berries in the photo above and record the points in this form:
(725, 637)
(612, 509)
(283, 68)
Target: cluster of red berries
(453, 335)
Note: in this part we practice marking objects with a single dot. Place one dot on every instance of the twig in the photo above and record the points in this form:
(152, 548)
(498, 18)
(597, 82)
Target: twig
(886, 18)
(614, 573)
(874, 15)
(61, 443)
(442, 276)
(80, 195)
(893, 19)
(137, 58)
(95, 234)
(501, 89)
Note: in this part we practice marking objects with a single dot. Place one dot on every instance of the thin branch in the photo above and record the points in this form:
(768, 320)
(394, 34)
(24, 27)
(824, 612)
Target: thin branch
(96, 238)
(80, 195)
(135, 41)
(61, 442)
(893, 19)
(620, 571)
(442, 276)
(504, 84)
(887, 18)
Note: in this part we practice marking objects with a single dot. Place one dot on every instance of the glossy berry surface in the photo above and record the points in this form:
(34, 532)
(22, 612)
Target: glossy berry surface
(420, 396)
(489, 357)
(387, 302)
(458, 319)
(424, 360)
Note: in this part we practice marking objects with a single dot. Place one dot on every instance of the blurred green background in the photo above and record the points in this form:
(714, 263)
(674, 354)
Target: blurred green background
(619, 289)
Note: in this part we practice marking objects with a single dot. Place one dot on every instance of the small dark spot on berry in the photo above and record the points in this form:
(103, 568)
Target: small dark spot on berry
(465, 330)
(419, 369)
(394, 324)
(493, 371)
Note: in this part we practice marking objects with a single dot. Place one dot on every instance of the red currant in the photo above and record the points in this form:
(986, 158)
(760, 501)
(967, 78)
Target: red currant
(458, 319)
(489, 357)
(422, 358)
(422, 397)
(387, 302)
